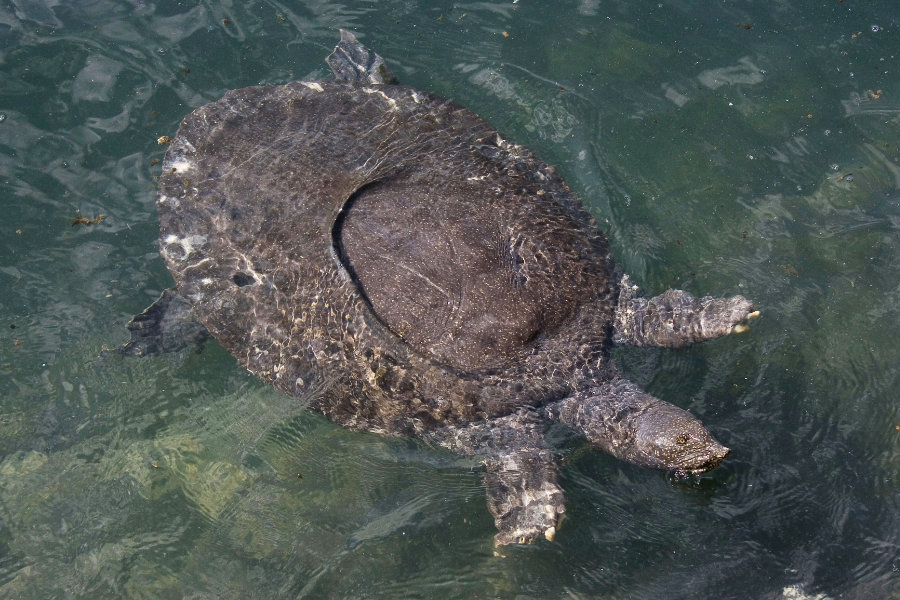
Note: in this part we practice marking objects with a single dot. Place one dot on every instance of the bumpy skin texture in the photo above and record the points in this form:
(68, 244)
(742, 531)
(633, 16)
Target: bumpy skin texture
(675, 318)
(446, 283)
(639, 428)
(521, 472)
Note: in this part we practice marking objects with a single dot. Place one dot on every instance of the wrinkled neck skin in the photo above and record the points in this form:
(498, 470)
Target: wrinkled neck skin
(639, 428)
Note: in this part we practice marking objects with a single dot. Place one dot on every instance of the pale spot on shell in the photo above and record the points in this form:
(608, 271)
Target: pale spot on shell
(180, 165)
(390, 100)
(188, 244)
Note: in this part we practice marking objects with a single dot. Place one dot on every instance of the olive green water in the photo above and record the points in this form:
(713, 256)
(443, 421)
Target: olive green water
(725, 147)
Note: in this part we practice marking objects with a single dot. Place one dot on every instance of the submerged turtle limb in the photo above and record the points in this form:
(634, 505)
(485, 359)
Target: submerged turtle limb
(167, 325)
(676, 318)
(353, 62)
(521, 473)
(639, 428)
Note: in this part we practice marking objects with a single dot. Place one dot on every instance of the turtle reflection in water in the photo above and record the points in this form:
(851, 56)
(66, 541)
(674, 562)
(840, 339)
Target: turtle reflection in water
(445, 282)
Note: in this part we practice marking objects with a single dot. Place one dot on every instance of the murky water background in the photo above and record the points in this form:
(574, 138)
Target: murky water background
(725, 147)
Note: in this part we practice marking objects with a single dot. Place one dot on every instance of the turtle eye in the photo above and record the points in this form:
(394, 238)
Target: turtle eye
(682, 439)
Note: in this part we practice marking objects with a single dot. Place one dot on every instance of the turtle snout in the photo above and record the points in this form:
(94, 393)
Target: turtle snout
(717, 454)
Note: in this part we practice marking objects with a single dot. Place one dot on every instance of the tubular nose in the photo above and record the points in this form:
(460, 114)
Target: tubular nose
(718, 453)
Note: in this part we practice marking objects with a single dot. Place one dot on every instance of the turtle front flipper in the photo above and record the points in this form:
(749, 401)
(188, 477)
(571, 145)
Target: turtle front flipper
(523, 495)
(676, 318)
(521, 473)
(639, 428)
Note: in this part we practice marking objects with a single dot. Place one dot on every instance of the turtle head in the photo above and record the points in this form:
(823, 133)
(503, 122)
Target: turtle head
(636, 427)
(667, 437)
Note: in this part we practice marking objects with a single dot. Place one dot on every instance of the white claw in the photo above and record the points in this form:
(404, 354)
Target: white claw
(550, 533)
(743, 327)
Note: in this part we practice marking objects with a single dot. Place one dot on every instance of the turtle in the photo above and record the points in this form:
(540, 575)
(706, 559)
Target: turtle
(445, 282)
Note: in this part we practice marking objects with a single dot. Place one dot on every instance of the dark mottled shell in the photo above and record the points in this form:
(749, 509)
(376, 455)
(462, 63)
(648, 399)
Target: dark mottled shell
(387, 248)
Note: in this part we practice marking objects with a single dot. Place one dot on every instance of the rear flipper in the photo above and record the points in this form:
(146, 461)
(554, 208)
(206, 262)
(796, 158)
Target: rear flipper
(353, 62)
(676, 318)
(639, 428)
(167, 325)
(521, 477)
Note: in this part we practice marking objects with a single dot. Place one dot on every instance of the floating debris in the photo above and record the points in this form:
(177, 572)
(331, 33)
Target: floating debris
(82, 220)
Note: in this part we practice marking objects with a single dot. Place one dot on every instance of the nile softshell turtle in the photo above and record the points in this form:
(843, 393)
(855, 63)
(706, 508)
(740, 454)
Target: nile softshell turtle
(446, 283)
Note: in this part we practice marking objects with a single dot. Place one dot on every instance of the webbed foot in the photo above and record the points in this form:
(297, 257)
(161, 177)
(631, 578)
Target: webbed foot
(743, 327)
(523, 496)
(167, 325)
(521, 477)
(676, 318)
(353, 62)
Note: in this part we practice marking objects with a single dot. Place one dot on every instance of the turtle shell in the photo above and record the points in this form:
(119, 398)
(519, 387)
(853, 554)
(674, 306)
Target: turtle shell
(386, 248)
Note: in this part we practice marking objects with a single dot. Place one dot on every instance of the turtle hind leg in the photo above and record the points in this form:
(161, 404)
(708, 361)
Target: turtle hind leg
(354, 63)
(676, 318)
(167, 325)
(521, 473)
